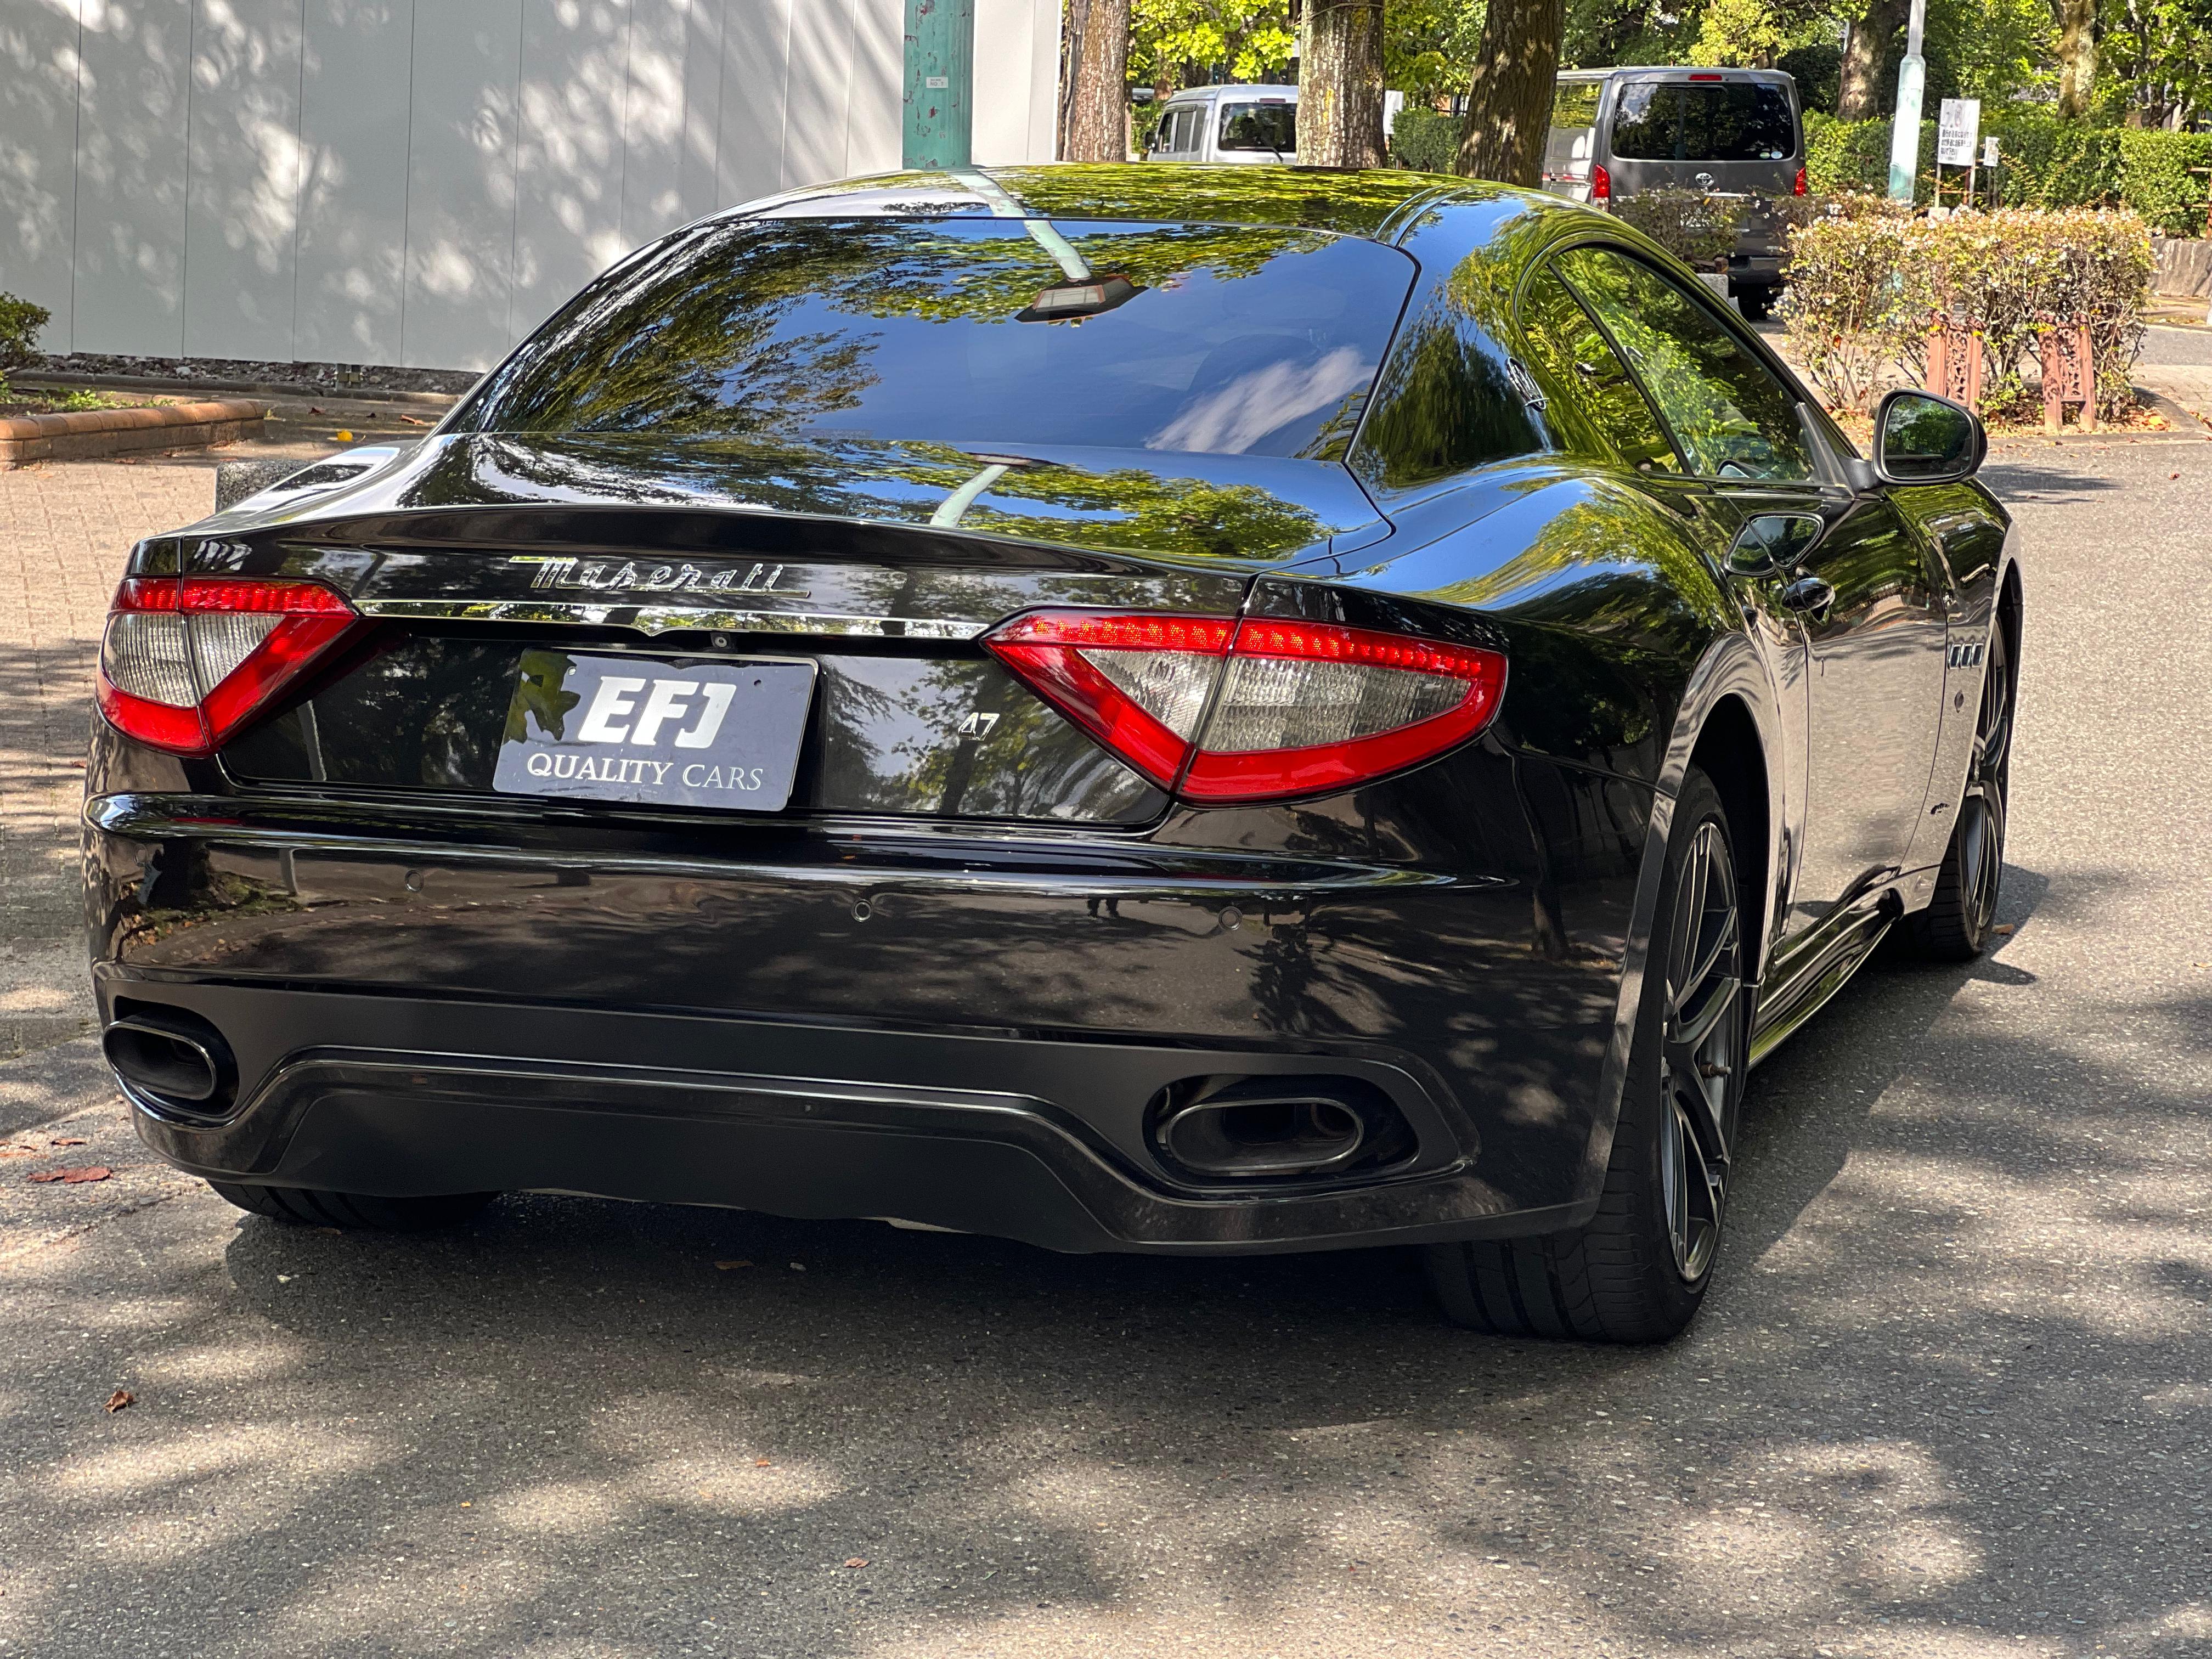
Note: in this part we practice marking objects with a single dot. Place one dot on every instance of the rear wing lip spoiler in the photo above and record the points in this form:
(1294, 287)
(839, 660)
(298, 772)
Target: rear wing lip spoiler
(653, 619)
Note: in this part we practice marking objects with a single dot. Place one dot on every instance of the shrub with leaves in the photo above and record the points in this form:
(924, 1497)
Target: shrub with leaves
(1843, 308)
(20, 323)
(1866, 292)
(2047, 162)
(1423, 140)
(2156, 180)
(1695, 228)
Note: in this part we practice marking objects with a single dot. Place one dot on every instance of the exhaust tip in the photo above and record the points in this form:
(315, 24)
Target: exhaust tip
(175, 1058)
(1276, 1128)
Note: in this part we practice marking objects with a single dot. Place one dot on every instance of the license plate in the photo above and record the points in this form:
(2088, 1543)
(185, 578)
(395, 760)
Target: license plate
(724, 735)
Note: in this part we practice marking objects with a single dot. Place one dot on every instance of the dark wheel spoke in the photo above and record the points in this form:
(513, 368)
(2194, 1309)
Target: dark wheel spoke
(1702, 1046)
(1691, 1035)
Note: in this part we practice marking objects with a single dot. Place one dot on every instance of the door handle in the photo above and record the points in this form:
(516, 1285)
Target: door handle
(1810, 595)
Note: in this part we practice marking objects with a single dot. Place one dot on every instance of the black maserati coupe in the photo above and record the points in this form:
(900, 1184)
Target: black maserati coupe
(1131, 709)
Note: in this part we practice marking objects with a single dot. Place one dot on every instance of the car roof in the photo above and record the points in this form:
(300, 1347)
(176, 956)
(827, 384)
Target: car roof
(1197, 95)
(1685, 70)
(1371, 204)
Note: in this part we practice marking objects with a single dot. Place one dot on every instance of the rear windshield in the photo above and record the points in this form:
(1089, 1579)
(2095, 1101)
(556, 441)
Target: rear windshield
(1575, 104)
(1704, 121)
(1270, 126)
(1223, 339)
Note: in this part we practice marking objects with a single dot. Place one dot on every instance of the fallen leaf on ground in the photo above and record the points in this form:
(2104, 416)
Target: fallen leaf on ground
(19, 1152)
(121, 1398)
(2002, 927)
(856, 1560)
(412, 421)
(726, 1266)
(762, 1463)
(72, 1177)
(312, 410)
(343, 437)
(65, 1143)
(799, 1266)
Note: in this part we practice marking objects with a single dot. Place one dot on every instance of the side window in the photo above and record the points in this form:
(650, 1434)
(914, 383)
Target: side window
(1569, 345)
(1732, 417)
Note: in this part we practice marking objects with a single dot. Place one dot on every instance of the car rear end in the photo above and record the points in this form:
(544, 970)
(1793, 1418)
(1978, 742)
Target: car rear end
(1011, 838)
(1727, 132)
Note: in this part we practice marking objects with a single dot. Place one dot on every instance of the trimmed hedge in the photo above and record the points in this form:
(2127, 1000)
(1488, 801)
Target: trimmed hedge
(1423, 140)
(2156, 182)
(1865, 288)
(2045, 162)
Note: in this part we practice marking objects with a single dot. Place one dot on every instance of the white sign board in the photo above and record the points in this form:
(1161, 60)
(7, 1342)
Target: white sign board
(1990, 151)
(1957, 126)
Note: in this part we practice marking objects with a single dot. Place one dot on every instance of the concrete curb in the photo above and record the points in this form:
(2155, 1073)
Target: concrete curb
(89, 433)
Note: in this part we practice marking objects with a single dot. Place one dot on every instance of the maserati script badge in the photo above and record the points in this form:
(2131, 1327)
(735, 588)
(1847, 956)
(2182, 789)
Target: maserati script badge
(628, 576)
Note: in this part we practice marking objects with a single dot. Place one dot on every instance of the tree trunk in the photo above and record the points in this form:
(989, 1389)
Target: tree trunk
(1859, 77)
(2077, 55)
(1098, 107)
(1509, 101)
(1340, 84)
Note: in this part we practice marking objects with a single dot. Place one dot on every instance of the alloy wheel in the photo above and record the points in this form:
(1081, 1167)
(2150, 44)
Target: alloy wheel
(1982, 810)
(1703, 1050)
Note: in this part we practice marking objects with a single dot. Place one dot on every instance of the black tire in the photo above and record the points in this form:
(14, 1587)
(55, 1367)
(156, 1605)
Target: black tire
(1955, 925)
(1757, 304)
(1638, 1271)
(305, 1207)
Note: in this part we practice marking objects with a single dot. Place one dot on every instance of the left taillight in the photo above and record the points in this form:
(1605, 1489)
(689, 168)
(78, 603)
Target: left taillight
(1797, 185)
(187, 661)
(1220, 710)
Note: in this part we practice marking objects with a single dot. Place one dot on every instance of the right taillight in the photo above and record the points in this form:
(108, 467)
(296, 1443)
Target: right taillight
(187, 660)
(1600, 183)
(1219, 710)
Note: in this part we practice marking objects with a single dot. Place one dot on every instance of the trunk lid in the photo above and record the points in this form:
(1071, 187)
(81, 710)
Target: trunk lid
(493, 566)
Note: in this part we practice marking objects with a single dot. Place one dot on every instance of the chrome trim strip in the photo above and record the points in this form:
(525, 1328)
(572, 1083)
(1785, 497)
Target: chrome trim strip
(670, 618)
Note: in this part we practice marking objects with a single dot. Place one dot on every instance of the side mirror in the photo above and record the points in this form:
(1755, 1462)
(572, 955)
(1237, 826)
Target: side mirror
(1773, 542)
(1922, 439)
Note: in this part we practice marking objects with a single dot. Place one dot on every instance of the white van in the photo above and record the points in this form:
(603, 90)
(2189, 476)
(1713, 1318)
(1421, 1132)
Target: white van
(1228, 124)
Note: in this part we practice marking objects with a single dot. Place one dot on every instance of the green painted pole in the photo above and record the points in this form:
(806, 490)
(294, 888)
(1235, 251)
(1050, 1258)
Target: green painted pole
(1904, 130)
(940, 83)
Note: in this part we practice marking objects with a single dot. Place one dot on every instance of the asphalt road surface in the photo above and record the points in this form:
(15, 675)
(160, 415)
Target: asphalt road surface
(1952, 1395)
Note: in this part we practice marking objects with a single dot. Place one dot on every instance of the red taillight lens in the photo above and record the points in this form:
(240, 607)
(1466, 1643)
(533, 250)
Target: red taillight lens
(1601, 183)
(1138, 684)
(1797, 185)
(1222, 711)
(187, 660)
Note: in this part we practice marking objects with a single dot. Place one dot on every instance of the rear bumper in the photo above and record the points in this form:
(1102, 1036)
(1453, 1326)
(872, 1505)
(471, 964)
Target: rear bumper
(1033, 1138)
(1761, 269)
(964, 1029)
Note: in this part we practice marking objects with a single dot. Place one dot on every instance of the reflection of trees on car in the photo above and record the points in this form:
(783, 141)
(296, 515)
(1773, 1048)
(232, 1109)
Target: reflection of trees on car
(734, 329)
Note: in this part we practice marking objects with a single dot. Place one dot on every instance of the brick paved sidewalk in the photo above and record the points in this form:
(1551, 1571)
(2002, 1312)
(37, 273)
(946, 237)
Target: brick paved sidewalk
(64, 532)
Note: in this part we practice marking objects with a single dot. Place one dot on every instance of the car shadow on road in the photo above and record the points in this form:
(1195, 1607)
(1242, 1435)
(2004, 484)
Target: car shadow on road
(1925, 1367)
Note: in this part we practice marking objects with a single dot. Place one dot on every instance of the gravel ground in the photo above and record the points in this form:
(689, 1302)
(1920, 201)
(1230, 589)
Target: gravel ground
(1950, 1396)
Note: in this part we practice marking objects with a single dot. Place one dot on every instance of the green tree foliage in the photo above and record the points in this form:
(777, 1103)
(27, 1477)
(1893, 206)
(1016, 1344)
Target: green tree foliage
(2157, 58)
(1602, 33)
(1428, 47)
(1179, 43)
(1756, 33)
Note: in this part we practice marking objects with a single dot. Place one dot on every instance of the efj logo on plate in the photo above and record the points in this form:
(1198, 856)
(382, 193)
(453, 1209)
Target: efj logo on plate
(716, 734)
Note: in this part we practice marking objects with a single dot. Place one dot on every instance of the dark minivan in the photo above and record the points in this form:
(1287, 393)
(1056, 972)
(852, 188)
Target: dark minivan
(1725, 131)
